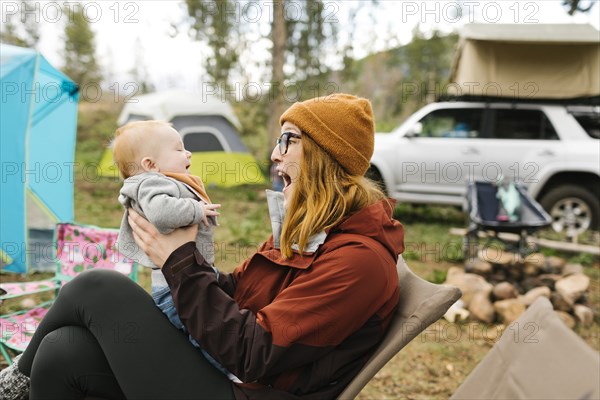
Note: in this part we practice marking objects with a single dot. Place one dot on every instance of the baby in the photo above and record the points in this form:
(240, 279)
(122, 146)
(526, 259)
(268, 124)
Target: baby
(155, 165)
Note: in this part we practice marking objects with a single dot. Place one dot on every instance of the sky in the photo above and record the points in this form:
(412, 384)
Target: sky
(142, 32)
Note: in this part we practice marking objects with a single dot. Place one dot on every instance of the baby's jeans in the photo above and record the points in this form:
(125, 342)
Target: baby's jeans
(164, 301)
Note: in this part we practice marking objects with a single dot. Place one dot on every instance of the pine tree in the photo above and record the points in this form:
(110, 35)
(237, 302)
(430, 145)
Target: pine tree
(80, 51)
(217, 23)
(10, 34)
(576, 5)
(299, 37)
(21, 29)
(279, 36)
(139, 72)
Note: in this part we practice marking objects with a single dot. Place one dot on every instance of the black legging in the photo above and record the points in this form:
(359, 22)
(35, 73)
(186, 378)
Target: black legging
(104, 337)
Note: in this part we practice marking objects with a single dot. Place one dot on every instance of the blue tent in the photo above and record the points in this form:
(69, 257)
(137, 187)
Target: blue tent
(38, 122)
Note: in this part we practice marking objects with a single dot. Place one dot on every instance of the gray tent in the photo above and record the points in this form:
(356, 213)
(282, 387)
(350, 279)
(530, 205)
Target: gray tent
(208, 122)
(209, 129)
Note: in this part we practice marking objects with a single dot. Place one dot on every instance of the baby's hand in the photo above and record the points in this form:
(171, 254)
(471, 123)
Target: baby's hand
(209, 211)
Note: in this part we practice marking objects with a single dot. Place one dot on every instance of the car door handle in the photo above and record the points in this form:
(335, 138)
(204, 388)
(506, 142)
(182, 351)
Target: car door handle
(546, 153)
(470, 150)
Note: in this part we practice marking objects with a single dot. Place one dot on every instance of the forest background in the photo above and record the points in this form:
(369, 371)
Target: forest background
(264, 55)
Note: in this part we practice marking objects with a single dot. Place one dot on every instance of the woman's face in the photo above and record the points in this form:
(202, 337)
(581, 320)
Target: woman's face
(288, 161)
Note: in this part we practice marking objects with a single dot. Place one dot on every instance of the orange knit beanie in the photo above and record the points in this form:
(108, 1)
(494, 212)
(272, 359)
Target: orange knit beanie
(341, 124)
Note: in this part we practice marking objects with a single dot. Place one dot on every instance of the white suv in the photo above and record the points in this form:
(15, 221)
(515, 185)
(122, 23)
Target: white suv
(553, 149)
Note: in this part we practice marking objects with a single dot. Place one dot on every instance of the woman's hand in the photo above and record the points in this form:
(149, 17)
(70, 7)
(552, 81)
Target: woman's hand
(156, 245)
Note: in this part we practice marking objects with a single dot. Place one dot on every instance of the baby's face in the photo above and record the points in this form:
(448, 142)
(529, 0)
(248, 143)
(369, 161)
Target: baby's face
(170, 155)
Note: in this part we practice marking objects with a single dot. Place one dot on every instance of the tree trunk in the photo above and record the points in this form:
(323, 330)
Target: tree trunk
(277, 102)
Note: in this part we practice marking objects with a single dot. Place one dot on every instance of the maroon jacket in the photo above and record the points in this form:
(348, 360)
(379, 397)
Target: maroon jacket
(296, 328)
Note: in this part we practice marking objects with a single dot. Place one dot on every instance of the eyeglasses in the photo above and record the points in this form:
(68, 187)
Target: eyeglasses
(283, 141)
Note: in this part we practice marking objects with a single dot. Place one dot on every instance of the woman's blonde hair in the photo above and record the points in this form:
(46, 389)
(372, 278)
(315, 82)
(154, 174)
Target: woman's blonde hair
(324, 194)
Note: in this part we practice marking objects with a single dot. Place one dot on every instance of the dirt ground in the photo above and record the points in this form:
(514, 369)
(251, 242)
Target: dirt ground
(437, 361)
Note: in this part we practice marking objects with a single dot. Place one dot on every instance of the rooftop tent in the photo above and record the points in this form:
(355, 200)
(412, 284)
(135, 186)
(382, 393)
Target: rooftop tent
(38, 122)
(209, 129)
(549, 61)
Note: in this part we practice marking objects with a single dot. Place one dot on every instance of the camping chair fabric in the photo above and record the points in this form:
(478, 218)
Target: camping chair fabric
(18, 328)
(537, 357)
(78, 248)
(17, 289)
(421, 303)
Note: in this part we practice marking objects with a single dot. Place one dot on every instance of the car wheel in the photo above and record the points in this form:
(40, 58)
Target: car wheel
(573, 209)
(374, 175)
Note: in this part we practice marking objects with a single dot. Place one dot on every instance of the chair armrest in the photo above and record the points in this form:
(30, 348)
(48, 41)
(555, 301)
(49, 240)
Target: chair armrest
(421, 303)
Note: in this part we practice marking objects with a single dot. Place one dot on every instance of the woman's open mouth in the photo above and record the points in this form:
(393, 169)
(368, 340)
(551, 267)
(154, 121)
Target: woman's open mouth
(287, 181)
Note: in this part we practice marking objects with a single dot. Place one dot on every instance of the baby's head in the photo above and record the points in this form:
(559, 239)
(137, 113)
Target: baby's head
(145, 146)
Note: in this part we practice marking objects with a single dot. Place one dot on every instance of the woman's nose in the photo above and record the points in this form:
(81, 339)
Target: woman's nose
(275, 154)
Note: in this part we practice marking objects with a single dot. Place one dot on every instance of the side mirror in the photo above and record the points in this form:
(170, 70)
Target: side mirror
(416, 130)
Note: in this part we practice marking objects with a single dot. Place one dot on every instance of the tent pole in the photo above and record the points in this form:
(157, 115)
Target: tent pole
(27, 133)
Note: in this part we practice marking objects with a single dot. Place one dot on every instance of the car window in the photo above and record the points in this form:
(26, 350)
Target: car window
(522, 124)
(453, 123)
(590, 122)
(201, 141)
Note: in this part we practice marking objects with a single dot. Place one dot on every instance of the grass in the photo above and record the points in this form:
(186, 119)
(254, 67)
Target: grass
(431, 367)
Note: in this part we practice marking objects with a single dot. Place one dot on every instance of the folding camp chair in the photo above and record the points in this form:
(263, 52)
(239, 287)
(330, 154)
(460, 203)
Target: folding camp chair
(78, 248)
(421, 304)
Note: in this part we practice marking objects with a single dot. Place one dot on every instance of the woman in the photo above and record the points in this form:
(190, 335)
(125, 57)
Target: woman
(298, 319)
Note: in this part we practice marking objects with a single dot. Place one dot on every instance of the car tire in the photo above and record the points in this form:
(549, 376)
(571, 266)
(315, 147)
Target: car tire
(573, 209)
(374, 175)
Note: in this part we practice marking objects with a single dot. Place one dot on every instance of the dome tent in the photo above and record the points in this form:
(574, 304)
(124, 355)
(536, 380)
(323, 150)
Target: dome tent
(38, 122)
(209, 129)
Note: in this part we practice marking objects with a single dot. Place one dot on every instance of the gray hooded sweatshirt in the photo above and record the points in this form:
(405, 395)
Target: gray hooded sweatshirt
(168, 204)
